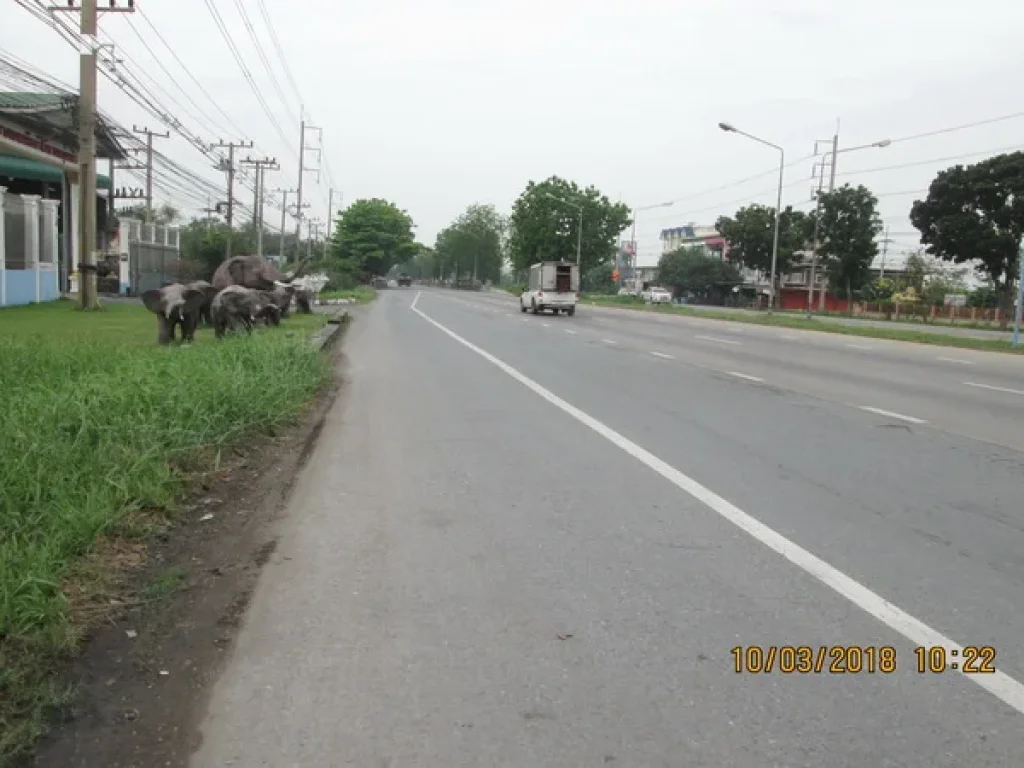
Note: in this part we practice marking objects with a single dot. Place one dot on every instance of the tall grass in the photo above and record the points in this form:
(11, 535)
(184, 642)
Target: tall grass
(98, 422)
(361, 294)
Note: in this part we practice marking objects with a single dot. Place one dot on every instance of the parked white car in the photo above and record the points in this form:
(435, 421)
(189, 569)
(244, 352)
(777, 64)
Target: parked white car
(657, 296)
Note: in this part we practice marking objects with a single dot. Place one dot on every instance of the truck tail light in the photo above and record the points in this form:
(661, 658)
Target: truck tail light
(540, 294)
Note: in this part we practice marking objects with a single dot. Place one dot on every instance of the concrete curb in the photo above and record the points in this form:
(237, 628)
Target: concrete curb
(326, 336)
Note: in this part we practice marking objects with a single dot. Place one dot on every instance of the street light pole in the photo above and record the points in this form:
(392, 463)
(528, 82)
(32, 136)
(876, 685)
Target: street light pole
(778, 207)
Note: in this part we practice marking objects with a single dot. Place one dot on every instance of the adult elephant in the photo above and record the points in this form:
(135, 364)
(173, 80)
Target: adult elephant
(253, 272)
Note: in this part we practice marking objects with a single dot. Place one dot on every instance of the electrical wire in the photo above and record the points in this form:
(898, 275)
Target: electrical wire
(263, 56)
(941, 131)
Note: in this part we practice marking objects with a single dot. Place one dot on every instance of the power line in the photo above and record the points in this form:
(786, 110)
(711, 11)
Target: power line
(263, 57)
(188, 71)
(933, 160)
(940, 131)
(280, 53)
(211, 5)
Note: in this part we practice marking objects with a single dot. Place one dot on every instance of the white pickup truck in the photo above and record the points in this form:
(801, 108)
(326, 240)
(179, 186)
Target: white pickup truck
(554, 285)
(657, 296)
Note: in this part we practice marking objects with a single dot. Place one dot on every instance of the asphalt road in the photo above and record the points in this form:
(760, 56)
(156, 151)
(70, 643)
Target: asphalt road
(535, 541)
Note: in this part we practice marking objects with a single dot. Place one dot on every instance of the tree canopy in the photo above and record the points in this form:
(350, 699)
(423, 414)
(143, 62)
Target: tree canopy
(848, 226)
(751, 231)
(370, 236)
(688, 271)
(977, 212)
(545, 224)
(472, 245)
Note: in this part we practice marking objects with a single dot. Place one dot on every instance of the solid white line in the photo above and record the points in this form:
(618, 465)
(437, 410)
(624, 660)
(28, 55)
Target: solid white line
(719, 340)
(993, 388)
(893, 415)
(858, 346)
(916, 631)
(662, 354)
(739, 375)
(609, 341)
(955, 360)
(569, 330)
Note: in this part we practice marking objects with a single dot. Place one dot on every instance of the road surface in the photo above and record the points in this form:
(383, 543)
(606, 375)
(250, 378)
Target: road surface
(536, 541)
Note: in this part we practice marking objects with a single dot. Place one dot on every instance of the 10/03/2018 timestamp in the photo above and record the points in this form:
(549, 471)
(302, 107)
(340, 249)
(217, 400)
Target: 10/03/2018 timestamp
(858, 659)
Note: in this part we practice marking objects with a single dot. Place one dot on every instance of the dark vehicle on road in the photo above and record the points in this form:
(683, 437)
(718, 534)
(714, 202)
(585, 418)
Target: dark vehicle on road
(404, 281)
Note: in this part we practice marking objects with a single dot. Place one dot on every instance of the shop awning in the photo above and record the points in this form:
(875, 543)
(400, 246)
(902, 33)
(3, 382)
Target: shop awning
(36, 170)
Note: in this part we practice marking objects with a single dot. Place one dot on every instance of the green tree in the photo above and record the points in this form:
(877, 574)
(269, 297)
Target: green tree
(688, 271)
(976, 213)
(370, 237)
(751, 232)
(848, 227)
(545, 225)
(473, 244)
(916, 272)
(207, 243)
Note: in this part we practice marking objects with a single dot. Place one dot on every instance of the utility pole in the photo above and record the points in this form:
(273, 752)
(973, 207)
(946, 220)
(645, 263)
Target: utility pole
(149, 162)
(302, 169)
(228, 165)
(257, 205)
(209, 211)
(819, 170)
(88, 26)
(284, 211)
(885, 250)
(330, 217)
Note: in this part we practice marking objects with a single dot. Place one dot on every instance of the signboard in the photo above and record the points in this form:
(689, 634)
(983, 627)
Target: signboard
(955, 300)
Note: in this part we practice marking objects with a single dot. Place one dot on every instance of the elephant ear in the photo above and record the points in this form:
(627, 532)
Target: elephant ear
(151, 300)
(193, 298)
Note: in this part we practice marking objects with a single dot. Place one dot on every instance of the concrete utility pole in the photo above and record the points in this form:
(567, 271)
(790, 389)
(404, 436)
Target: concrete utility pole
(284, 211)
(228, 165)
(819, 169)
(302, 170)
(257, 204)
(209, 212)
(149, 161)
(89, 15)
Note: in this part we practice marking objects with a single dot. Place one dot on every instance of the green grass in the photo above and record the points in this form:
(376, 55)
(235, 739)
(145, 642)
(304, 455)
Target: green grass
(363, 294)
(100, 429)
(786, 320)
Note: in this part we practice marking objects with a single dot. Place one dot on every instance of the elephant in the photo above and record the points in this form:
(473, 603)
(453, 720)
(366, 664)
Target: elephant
(175, 305)
(253, 272)
(237, 306)
(304, 301)
(208, 293)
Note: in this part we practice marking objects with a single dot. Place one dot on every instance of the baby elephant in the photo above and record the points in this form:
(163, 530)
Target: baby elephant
(237, 306)
(208, 293)
(174, 305)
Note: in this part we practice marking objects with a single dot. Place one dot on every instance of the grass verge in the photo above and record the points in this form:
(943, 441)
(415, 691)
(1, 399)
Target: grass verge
(362, 294)
(801, 323)
(100, 434)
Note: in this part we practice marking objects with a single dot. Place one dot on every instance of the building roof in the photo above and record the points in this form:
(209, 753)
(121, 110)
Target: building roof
(36, 170)
(52, 117)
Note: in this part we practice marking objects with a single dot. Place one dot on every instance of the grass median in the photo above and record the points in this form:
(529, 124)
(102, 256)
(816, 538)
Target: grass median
(100, 433)
(784, 320)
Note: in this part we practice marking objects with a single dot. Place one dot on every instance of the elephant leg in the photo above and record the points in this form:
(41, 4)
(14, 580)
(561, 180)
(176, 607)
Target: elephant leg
(165, 330)
(188, 327)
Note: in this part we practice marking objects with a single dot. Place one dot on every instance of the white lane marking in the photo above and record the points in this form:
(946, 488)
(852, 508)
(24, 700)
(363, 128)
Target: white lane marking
(893, 415)
(739, 375)
(858, 346)
(526, 319)
(1008, 390)
(609, 341)
(955, 360)
(663, 355)
(546, 325)
(790, 337)
(718, 339)
(999, 684)
(569, 330)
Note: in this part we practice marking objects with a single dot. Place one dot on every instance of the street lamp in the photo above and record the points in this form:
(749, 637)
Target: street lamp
(632, 236)
(778, 206)
(579, 235)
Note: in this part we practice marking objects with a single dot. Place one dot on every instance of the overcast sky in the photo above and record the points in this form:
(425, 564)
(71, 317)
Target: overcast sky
(438, 104)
